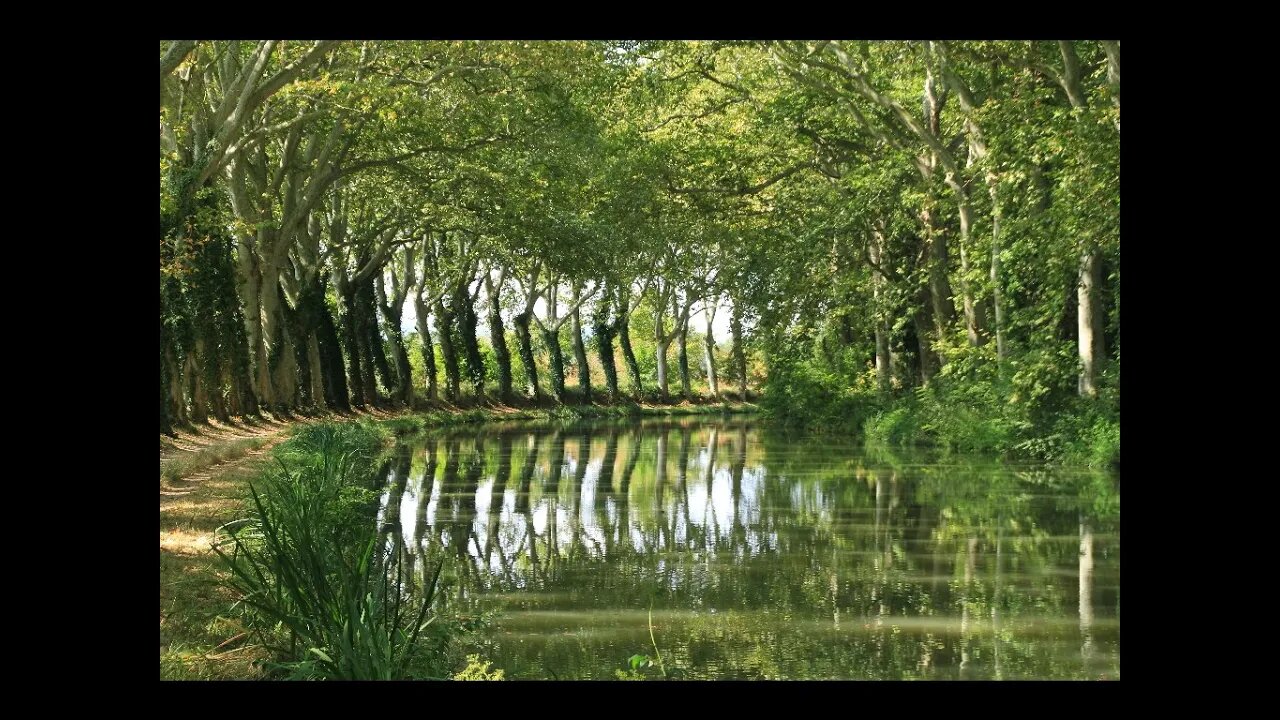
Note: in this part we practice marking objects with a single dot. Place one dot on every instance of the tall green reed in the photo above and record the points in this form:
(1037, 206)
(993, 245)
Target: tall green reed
(321, 589)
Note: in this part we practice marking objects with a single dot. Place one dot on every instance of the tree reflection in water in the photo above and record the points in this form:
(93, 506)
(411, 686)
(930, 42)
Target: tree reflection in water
(763, 555)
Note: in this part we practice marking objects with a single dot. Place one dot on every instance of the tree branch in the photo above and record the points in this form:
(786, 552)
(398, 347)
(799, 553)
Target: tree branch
(173, 57)
(287, 74)
(743, 189)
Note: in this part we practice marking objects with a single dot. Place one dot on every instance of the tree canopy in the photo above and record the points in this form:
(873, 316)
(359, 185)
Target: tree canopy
(880, 226)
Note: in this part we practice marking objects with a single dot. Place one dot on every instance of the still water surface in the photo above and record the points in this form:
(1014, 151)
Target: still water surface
(760, 554)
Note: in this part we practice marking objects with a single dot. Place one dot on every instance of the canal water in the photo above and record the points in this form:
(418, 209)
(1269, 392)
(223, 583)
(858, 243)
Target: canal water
(720, 548)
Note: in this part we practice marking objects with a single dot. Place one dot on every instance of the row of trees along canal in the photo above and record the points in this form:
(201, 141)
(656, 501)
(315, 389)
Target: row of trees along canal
(867, 214)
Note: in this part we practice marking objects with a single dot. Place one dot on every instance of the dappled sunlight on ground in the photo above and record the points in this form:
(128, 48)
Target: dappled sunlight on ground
(185, 543)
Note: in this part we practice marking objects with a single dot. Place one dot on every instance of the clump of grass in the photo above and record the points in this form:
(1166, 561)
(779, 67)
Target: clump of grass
(896, 427)
(478, 670)
(321, 591)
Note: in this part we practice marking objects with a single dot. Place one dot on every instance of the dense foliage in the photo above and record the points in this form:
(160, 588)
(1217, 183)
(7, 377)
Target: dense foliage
(915, 240)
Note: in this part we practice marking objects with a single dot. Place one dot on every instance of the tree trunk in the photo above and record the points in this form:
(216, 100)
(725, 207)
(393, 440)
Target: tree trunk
(928, 360)
(284, 365)
(275, 342)
(245, 403)
(318, 393)
(604, 331)
(1089, 321)
(404, 371)
(336, 391)
(176, 400)
(199, 400)
(368, 371)
(452, 376)
(739, 352)
(884, 362)
(464, 308)
(372, 339)
(391, 308)
(166, 418)
(295, 325)
(524, 341)
(660, 350)
(328, 383)
(997, 296)
(251, 287)
(939, 284)
(629, 356)
(709, 354)
(166, 423)
(580, 354)
(212, 367)
(972, 313)
(498, 337)
(218, 402)
(682, 340)
(428, 348)
(350, 337)
(552, 339)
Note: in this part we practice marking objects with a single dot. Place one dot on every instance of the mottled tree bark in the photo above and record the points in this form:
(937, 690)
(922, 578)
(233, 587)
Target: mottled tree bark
(199, 401)
(552, 340)
(629, 355)
(660, 351)
(452, 376)
(465, 311)
(367, 324)
(177, 398)
(939, 285)
(350, 338)
(404, 371)
(391, 307)
(739, 352)
(334, 372)
(428, 347)
(316, 390)
(709, 353)
(926, 357)
(498, 337)
(166, 421)
(682, 346)
(604, 332)
(884, 362)
(211, 364)
(524, 341)
(580, 353)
